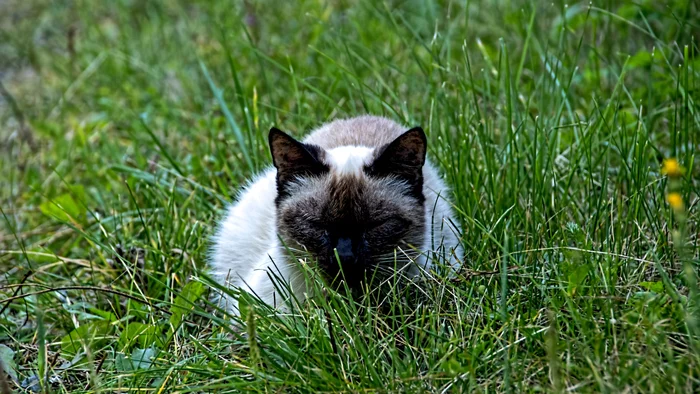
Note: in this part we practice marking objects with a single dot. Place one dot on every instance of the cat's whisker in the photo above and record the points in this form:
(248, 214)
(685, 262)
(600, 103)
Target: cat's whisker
(392, 262)
(385, 271)
(389, 256)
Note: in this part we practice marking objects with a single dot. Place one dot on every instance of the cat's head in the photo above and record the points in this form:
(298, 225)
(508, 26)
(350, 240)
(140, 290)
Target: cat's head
(359, 205)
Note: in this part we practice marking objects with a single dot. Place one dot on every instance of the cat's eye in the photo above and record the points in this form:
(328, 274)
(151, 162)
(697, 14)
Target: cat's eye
(390, 224)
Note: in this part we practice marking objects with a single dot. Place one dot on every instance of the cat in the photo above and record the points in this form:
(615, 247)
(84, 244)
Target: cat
(357, 195)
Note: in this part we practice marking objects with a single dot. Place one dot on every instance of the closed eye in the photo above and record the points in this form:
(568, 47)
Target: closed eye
(392, 224)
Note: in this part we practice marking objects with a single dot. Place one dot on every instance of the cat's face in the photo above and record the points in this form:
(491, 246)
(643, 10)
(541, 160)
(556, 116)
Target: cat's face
(358, 208)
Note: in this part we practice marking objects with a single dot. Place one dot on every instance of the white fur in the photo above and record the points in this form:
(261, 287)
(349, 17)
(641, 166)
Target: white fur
(246, 247)
(243, 252)
(347, 160)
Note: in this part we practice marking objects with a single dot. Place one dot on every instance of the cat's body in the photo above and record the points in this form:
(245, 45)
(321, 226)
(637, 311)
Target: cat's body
(357, 187)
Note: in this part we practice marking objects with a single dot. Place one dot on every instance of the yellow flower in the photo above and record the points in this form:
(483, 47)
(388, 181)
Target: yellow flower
(675, 200)
(672, 168)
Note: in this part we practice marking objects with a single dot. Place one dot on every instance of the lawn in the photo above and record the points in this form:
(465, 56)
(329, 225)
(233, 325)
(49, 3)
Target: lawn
(127, 126)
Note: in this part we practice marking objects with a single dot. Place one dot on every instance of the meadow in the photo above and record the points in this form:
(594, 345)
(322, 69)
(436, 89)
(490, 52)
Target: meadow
(568, 132)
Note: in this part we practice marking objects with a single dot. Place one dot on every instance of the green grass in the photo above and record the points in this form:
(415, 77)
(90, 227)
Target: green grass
(126, 126)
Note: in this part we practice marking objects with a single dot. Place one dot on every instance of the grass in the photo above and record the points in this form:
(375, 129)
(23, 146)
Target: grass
(128, 125)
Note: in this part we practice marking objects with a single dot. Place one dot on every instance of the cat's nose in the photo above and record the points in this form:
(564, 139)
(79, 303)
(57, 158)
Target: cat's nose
(346, 251)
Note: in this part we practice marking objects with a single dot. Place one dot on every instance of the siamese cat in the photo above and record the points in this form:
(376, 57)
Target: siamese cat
(357, 197)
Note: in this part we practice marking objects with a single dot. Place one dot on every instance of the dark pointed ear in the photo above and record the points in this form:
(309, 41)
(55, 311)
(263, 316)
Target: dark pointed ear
(403, 158)
(294, 159)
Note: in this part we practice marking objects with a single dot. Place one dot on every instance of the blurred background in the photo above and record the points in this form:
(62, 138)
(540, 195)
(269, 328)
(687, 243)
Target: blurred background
(126, 126)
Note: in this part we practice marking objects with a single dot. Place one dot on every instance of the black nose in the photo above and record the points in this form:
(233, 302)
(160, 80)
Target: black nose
(346, 250)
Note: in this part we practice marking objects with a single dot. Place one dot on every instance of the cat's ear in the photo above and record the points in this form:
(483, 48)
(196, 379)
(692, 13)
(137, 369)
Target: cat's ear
(403, 158)
(293, 158)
